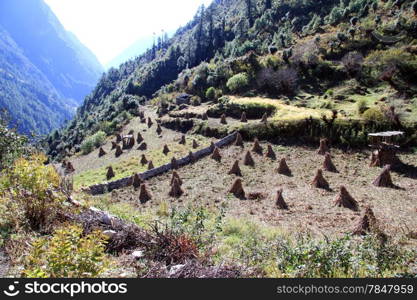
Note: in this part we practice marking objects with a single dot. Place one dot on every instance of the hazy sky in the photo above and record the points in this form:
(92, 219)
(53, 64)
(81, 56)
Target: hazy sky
(108, 27)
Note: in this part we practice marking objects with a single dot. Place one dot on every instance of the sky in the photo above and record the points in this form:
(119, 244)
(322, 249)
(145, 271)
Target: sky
(107, 27)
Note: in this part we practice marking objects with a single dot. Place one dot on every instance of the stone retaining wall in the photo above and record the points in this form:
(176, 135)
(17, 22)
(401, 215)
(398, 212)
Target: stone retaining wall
(124, 182)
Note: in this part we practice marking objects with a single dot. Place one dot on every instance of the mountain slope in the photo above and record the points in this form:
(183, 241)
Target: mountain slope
(30, 99)
(68, 65)
(339, 56)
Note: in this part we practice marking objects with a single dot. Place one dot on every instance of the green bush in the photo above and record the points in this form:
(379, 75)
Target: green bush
(361, 106)
(238, 82)
(92, 142)
(211, 93)
(67, 254)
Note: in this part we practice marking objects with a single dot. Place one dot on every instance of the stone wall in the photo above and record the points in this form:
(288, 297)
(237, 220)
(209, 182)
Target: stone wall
(124, 182)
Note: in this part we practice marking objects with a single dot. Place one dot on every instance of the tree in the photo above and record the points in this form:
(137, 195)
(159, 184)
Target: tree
(249, 12)
(268, 4)
(200, 36)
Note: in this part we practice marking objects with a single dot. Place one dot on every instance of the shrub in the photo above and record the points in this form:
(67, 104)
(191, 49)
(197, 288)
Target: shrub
(211, 93)
(12, 145)
(373, 114)
(29, 193)
(283, 81)
(92, 142)
(67, 254)
(238, 82)
(352, 63)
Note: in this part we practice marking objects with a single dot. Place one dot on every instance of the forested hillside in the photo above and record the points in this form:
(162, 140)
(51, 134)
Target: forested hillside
(46, 71)
(273, 48)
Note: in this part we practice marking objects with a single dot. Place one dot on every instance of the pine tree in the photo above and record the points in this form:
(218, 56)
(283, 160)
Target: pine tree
(249, 12)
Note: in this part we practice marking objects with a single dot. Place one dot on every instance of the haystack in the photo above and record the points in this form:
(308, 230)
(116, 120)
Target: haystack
(216, 154)
(136, 181)
(223, 119)
(279, 200)
(144, 195)
(328, 164)
(235, 169)
(143, 160)
(237, 189)
(70, 168)
(176, 190)
(248, 161)
(64, 164)
(264, 118)
(239, 140)
(150, 165)
(191, 156)
(143, 120)
(139, 138)
(175, 175)
(143, 146)
(243, 118)
(110, 173)
(118, 151)
(158, 129)
(283, 168)
(257, 148)
(118, 138)
(182, 141)
(150, 123)
(195, 144)
(101, 152)
(174, 163)
(367, 223)
(324, 147)
(165, 150)
(270, 153)
(344, 199)
(113, 145)
(384, 179)
(204, 117)
(319, 181)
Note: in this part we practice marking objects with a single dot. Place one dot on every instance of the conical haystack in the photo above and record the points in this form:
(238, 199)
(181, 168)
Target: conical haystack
(223, 119)
(174, 163)
(118, 138)
(110, 173)
(243, 118)
(216, 154)
(182, 140)
(237, 189)
(158, 129)
(239, 140)
(248, 161)
(344, 199)
(143, 146)
(235, 169)
(144, 195)
(150, 123)
(64, 164)
(283, 168)
(143, 120)
(131, 132)
(264, 118)
(143, 160)
(319, 181)
(204, 117)
(70, 168)
(165, 150)
(257, 148)
(176, 190)
(101, 152)
(191, 156)
(136, 182)
(139, 138)
(367, 223)
(113, 145)
(195, 144)
(279, 200)
(328, 164)
(324, 147)
(150, 165)
(384, 179)
(175, 175)
(118, 151)
(212, 146)
(270, 153)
